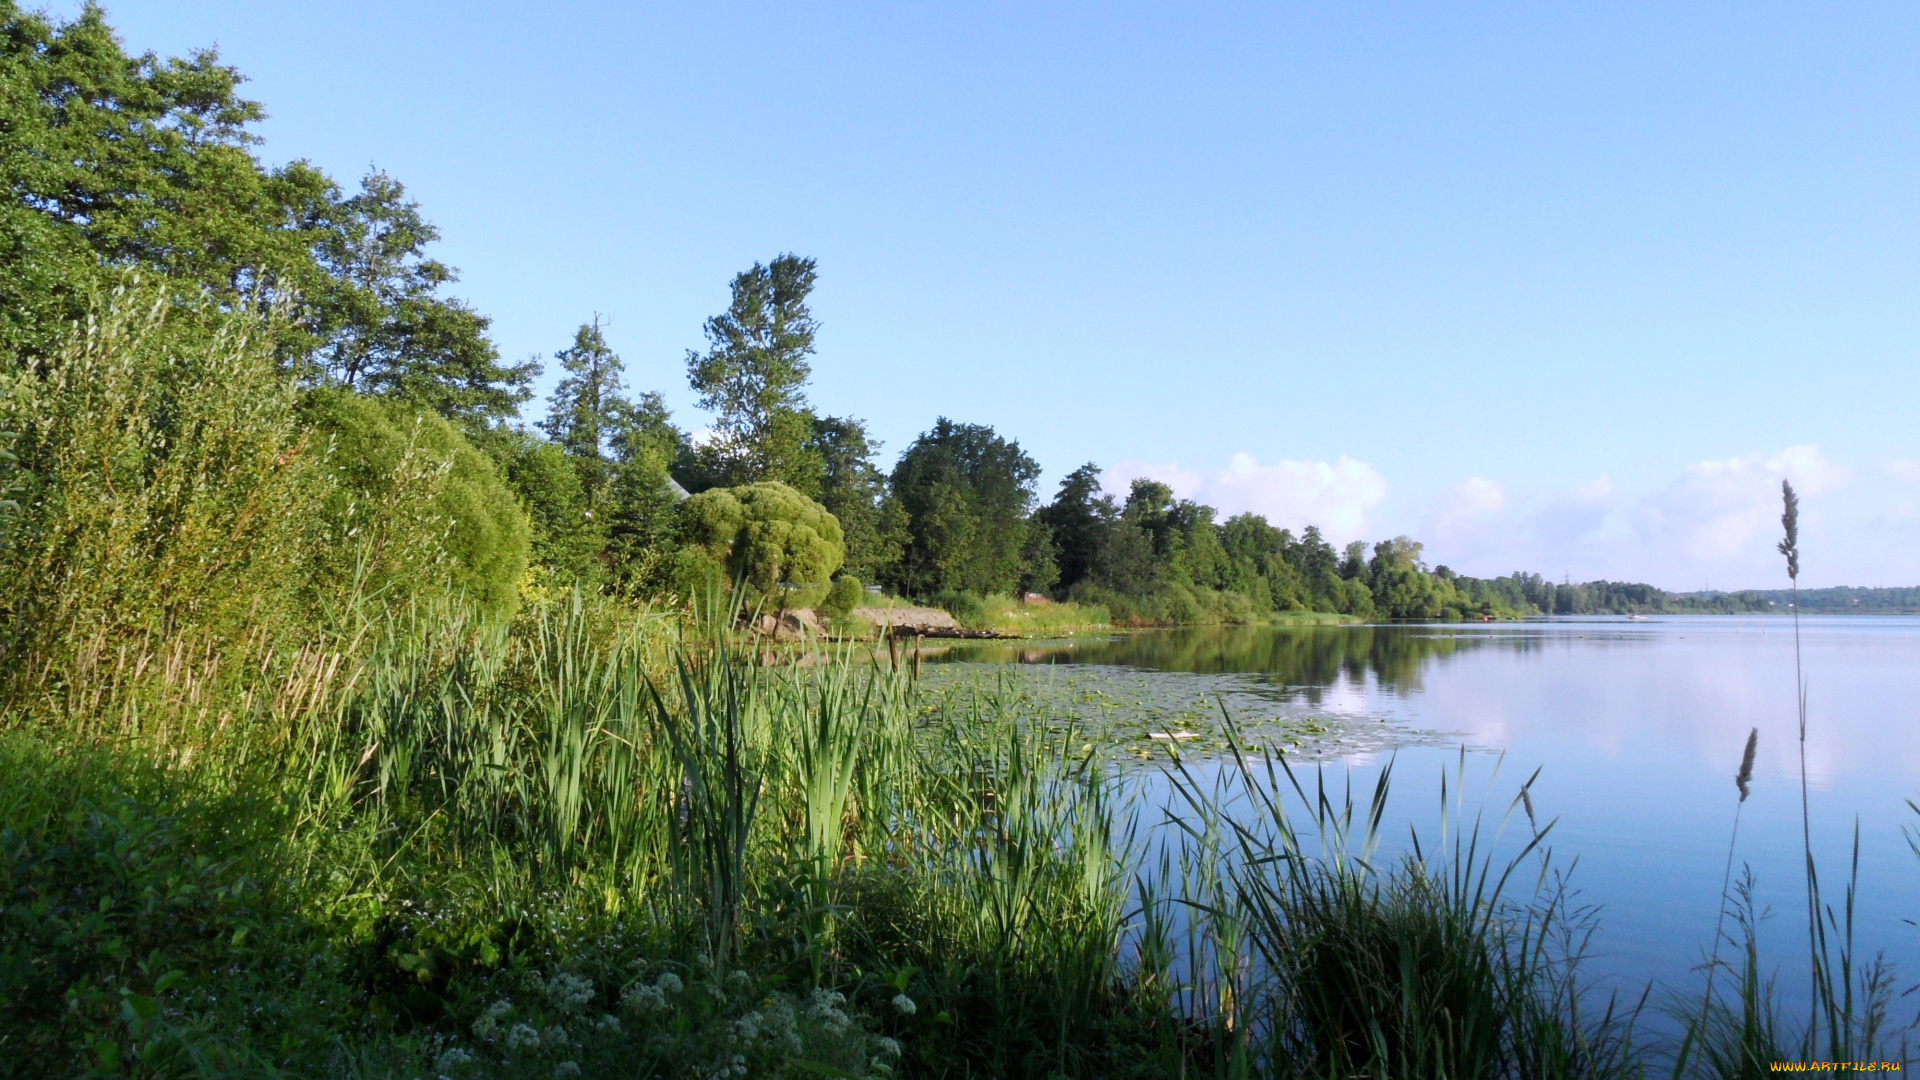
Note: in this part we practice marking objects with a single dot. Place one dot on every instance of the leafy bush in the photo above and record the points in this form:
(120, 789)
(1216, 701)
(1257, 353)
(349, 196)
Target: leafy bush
(846, 594)
(966, 608)
(1170, 605)
(163, 492)
(770, 537)
(415, 504)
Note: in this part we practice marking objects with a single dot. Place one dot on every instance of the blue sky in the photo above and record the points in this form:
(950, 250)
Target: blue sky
(1555, 287)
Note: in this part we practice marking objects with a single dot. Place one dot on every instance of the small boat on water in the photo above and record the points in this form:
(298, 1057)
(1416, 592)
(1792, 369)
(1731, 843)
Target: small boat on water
(1636, 618)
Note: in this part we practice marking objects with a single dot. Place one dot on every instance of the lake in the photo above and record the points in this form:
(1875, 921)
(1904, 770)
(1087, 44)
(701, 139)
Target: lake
(1636, 729)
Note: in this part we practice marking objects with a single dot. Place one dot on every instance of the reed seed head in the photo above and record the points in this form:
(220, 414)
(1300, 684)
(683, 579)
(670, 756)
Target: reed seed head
(1745, 775)
(1790, 521)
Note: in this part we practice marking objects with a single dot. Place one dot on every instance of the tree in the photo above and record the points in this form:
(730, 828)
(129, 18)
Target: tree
(116, 162)
(586, 408)
(854, 490)
(113, 163)
(752, 376)
(1400, 585)
(422, 501)
(621, 449)
(966, 493)
(1079, 520)
(780, 545)
(385, 330)
(643, 502)
(564, 535)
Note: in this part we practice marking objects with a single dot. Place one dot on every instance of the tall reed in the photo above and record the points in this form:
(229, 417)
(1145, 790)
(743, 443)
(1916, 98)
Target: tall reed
(1420, 965)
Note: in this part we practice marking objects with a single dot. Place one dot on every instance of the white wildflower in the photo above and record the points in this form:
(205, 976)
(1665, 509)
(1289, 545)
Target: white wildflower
(523, 1037)
(669, 983)
(567, 1068)
(486, 1027)
(610, 1022)
(451, 1059)
(641, 998)
(747, 1028)
(889, 1047)
(569, 992)
(499, 1009)
(904, 1004)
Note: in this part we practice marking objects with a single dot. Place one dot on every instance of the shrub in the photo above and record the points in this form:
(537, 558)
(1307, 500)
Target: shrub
(967, 609)
(771, 538)
(845, 595)
(416, 507)
(162, 493)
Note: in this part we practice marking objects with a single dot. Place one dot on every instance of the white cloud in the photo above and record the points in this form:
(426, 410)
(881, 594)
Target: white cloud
(1716, 522)
(1724, 512)
(1475, 497)
(1906, 470)
(1336, 496)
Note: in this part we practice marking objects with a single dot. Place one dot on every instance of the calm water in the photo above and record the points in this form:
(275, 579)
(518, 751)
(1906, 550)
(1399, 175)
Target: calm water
(1636, 728)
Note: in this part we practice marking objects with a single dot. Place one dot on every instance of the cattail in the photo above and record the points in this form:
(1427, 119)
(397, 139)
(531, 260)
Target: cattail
(1790, 520)
(1745, 776)
(1526, 800)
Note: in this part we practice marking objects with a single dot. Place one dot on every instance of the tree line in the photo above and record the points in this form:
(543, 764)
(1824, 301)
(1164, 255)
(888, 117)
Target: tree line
(135, 169)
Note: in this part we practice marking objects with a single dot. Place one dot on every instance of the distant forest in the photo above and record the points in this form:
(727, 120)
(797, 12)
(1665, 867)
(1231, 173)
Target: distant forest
(140, 232)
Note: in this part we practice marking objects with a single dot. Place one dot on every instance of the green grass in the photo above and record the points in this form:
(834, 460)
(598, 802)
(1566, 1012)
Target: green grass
(591, 843)
(1019, 618)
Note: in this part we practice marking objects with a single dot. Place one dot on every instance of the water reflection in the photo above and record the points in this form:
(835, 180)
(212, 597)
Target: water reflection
(1637, 729)
(1309, 659)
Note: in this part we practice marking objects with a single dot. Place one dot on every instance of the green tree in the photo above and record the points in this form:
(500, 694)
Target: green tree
(752, 376)
(413, 507)
(564, 538)
(383, 327)
(621, 449)
(642, 507)
(780, 545)
(854, 490)
(587, 407)
(1079, 521)
(966, 493)
(113, 162)
(120, 161)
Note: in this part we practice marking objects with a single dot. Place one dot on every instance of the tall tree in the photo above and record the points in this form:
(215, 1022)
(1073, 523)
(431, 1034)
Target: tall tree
(620, 448)
(854, 490)
(130, 162)
(966, 493)
(587, 406)
(112, 163)
(1080, 519)
(752, 376)
(383, 326)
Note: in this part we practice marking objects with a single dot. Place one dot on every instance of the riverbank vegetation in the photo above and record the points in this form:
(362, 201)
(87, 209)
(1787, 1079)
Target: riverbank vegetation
(349, 727)
(125, 169)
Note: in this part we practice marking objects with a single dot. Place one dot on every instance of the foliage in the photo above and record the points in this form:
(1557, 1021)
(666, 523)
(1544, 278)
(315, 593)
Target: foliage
(566, 537)
(846, 594)
(166, 494)
(781, 545)
(128, 162)
(382, 326)
(114, 162)
(751, 377)
(855, 492)
(966, 493)
(416, 506)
